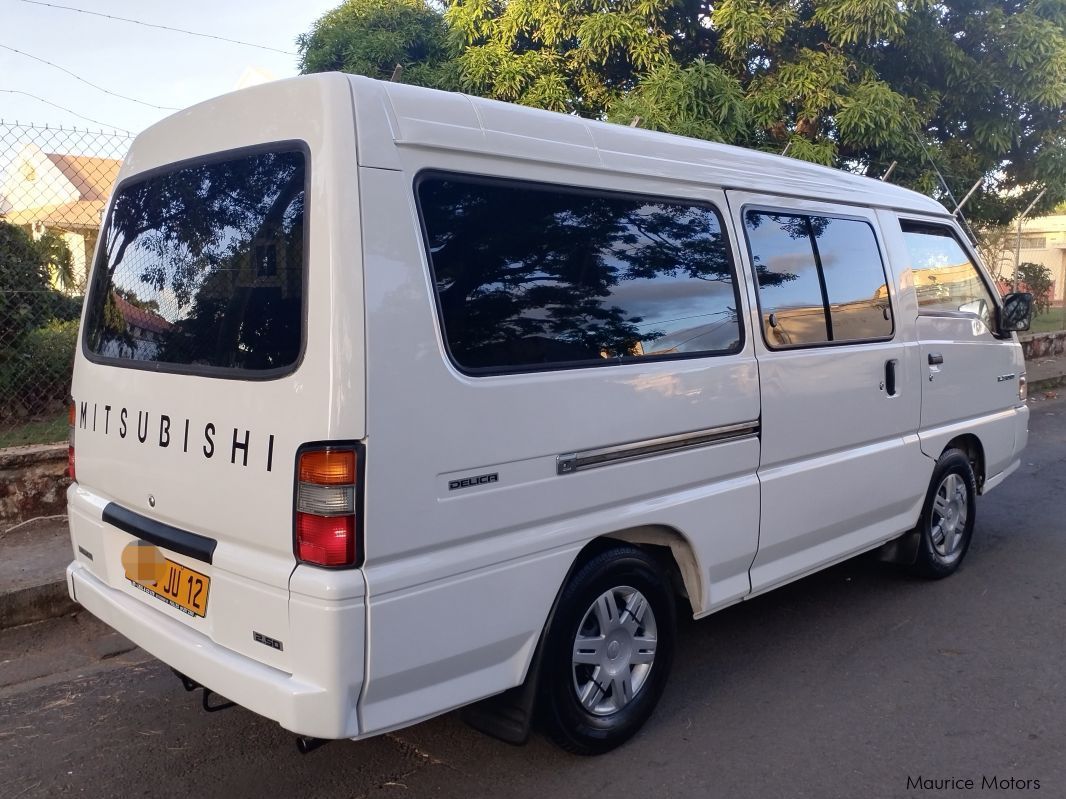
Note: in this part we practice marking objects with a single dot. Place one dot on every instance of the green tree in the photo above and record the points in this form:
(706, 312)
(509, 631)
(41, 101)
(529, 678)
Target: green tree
(372, 37)
(1037, 278)
(27, 298)
(975, 86)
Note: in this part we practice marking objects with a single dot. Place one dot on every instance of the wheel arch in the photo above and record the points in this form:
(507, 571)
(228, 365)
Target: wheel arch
(672, 550)
(509, 715)
(975, 451)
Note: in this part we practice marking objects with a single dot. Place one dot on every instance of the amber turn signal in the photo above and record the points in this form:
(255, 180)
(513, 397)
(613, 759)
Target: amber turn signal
(328, 467)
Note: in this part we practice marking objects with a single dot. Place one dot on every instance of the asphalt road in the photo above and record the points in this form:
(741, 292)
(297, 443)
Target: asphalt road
(845, 684)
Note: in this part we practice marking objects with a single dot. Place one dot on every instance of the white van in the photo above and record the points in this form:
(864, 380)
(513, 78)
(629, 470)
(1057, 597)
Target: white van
(390, 400)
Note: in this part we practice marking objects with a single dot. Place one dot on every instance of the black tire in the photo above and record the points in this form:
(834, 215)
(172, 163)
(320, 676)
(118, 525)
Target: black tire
(935, 558)
(612, 573)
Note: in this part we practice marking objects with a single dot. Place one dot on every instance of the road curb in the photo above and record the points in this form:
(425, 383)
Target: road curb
(35, 603)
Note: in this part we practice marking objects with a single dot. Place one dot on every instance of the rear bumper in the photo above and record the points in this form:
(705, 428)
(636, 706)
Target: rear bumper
(318, 701)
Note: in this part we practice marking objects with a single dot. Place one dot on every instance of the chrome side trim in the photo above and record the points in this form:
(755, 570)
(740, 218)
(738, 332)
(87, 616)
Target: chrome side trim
(604, 456)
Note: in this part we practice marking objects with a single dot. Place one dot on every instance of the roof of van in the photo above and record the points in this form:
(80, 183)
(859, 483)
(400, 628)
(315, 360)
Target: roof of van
(390, 117)
(427, 118)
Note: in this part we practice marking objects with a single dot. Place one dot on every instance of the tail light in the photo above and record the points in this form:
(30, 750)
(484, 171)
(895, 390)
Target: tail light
(327, 525)
(70, 442)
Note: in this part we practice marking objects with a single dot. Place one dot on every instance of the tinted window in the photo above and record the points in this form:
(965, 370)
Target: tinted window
(203, 266)
(532, 275)
(855, 282)
(945, 278)
(819, 279)
(790, 291)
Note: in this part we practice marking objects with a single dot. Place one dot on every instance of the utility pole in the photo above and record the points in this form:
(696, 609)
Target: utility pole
(1018, 241)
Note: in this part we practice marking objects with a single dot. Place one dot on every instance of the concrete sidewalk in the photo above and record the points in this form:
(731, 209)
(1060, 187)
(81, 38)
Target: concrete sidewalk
(33, 557)
(1046, 373)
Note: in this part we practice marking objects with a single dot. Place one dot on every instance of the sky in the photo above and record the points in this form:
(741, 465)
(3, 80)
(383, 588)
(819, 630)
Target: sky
(157, 66)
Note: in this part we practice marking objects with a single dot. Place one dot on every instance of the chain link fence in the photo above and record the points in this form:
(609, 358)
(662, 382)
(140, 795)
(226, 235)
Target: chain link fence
(54, 185)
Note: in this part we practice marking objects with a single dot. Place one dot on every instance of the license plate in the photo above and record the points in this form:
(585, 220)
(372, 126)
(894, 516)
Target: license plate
(179, 586)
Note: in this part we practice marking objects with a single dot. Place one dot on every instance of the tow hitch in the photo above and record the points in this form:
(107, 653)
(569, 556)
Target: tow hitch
(304, 744)
(192, 685)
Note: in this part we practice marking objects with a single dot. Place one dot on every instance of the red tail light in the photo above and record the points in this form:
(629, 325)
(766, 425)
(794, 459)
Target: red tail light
(325, 540)
(327, 526)
(70, 442)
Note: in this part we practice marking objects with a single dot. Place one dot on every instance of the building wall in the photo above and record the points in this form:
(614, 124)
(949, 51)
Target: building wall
(1052, 229)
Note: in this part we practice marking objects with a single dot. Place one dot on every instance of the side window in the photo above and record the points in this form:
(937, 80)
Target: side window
(533, 276)
(855, 281)
(820, 279)
(945, 278)
(790, 291)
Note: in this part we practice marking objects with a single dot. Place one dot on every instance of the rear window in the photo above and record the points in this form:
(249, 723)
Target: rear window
(532, 276)
(201, 268)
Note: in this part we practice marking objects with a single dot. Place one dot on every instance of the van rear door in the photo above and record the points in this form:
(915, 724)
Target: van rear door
(209, 355)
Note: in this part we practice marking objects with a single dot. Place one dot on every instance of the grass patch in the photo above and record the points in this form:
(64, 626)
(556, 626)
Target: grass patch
(48, 430)
(1049, 322)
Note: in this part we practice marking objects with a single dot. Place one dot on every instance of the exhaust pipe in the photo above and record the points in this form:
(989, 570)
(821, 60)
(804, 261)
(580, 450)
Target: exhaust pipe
(306, 745)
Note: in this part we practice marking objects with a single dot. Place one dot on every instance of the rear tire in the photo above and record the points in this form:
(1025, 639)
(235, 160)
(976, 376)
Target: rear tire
(608, 651)
(946, 524)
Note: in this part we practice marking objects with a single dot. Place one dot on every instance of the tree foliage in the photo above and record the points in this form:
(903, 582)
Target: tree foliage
(372, 37)
(38, 325)
(27, 299)
(1037, 279)
(980, 84)
(972, 88)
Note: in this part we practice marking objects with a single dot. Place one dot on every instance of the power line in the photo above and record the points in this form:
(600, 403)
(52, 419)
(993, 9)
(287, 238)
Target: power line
(160, 27)
(87, 82)
(64, 108)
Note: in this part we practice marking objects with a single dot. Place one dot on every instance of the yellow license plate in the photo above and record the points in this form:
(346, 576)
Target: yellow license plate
(179, 586)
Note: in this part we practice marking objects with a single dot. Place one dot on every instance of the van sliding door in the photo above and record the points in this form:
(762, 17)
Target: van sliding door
(839, 402)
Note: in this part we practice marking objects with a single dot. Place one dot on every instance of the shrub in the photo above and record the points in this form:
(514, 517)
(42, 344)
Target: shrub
(36, 378)
(1037, 279)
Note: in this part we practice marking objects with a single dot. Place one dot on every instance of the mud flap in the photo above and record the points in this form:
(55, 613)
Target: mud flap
(509, 716)
(902, 550)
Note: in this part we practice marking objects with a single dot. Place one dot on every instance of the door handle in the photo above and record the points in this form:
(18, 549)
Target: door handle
(935, 359)
(890, 377)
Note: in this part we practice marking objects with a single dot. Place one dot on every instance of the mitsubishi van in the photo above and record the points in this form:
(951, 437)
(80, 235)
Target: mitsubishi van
(391, 401)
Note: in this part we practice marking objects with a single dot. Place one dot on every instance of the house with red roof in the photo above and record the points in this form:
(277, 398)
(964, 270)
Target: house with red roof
(63, 194)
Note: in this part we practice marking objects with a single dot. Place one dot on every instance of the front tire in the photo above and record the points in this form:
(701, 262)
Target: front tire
(608, 651)
(947, 520)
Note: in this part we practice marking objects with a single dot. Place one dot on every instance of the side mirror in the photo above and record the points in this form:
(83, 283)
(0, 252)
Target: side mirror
(1016, 313)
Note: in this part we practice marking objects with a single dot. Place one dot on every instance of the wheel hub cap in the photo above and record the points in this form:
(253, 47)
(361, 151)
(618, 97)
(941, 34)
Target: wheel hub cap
(950, 512)
(614, 650)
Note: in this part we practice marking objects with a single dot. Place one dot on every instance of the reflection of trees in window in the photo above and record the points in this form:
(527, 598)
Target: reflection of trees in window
(795, 227)
(218, 249)
(841, 293)
(528, 274)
